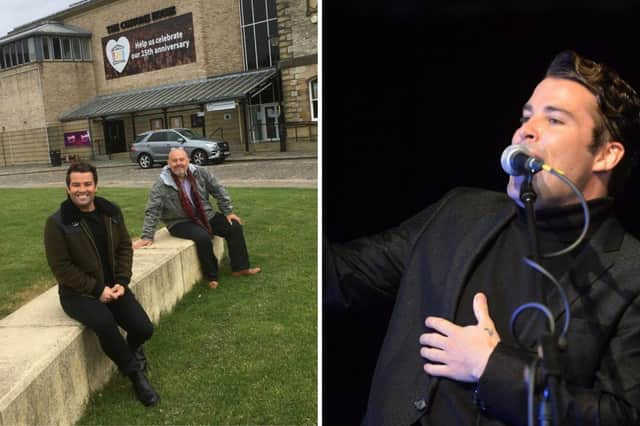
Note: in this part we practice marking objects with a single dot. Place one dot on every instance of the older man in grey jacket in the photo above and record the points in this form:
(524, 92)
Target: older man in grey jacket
(180, 198)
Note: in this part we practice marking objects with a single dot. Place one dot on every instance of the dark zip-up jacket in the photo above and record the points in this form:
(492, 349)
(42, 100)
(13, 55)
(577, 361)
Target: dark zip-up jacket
(423, 266)
(72, 253)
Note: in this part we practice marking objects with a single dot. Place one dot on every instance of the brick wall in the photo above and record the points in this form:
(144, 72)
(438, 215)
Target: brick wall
(298, 53)
(21, 103)
(216, 36)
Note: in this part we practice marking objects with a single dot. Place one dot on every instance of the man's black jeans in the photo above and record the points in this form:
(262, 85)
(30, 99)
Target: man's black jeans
(234, 235)
(104, 319)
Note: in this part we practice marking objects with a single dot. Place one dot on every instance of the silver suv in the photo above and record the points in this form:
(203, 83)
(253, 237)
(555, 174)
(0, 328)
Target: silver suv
(154, 146)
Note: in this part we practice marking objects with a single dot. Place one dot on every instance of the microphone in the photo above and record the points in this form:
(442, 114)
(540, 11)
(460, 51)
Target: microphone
(516, 161)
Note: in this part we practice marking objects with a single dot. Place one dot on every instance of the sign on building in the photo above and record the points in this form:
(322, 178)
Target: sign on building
(152, 47)
(80, 138)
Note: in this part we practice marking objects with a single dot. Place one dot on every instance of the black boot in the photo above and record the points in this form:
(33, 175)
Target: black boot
(143, 389)
(141, 358)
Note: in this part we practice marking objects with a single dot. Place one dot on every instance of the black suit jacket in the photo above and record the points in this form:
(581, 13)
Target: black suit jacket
(423, 266)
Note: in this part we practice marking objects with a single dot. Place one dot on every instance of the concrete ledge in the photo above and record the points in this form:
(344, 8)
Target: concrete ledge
(50, 364)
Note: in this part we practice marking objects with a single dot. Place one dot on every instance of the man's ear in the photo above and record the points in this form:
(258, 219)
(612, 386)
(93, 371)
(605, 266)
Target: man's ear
(608, 156)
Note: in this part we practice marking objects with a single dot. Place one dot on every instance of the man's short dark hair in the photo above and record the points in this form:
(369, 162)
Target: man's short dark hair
(618, 104)
(81, 167)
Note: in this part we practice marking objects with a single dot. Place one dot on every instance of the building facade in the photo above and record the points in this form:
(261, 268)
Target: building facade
(85, 81)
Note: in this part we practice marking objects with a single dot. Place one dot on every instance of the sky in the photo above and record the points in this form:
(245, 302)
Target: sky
(16, 13)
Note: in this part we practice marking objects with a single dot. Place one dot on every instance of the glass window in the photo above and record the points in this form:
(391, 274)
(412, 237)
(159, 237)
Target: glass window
(262, 43)
(256, 29)
(259, 10)
(75, 45)
(57, 49)
(66, 48)
(12, 51)
(159, 137)
(7, 56)
(313, 96)
(25, 50)
(18, 47)
(86, 49)
(176, 122)
(30, 50)
(247, 12)
(273, 32)
(45, 47)
(271, 9)
(173, 136)
(156, 123)
(250, 48)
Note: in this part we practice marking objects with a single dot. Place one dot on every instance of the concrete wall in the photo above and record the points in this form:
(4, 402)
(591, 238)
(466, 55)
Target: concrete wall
(50, 364)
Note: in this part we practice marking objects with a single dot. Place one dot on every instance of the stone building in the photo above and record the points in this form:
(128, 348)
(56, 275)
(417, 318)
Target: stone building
(85, 81)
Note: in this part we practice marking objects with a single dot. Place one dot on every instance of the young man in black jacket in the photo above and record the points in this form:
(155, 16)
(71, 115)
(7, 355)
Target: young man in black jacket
(89, 251)
(455, 276)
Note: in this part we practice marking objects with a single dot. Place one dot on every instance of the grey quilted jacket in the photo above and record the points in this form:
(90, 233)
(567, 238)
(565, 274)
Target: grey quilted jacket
(164, 202)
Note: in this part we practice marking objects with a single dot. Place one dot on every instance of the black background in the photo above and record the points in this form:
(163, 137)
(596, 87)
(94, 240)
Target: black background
(419, 98)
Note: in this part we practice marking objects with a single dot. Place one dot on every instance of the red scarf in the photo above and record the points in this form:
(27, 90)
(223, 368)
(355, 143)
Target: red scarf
(201, 217)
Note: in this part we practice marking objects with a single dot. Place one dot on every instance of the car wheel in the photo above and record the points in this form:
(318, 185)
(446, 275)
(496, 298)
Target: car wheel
(145, 161)
(199, 157)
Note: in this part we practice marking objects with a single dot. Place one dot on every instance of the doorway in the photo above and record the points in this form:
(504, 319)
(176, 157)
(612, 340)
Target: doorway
(114, 136)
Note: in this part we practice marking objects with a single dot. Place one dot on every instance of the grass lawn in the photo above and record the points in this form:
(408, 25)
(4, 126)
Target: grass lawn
(242, 354)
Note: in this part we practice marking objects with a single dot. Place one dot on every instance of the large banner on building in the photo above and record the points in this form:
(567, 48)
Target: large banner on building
(152, 47)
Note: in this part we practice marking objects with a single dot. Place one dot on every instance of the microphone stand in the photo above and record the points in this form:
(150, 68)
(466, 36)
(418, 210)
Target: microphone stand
(548, 348)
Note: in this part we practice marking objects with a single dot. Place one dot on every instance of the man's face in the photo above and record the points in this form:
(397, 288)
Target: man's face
(82, 190)
(557, 126)
(178, 162)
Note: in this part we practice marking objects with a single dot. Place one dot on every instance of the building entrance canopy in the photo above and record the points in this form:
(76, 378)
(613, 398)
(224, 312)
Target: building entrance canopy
(195, 92)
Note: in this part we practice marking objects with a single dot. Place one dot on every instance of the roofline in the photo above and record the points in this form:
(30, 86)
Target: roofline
(73, 9)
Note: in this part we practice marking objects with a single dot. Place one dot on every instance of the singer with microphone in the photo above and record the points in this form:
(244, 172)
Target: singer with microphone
(452, 354)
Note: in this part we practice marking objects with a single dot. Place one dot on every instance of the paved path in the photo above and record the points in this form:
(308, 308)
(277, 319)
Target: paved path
(300, 172)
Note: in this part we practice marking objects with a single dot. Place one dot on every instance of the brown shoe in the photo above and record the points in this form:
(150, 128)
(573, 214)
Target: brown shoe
(250, 271)
(213, 284)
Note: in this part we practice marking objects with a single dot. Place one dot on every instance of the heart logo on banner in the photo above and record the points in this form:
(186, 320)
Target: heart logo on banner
(118, 53)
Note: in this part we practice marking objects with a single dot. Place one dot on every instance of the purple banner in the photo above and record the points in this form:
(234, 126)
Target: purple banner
(161, 45)
(80, 138)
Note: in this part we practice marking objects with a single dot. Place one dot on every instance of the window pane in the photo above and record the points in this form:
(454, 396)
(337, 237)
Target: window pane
(314, 89)
(12, 50)
(86, 49)
(45, 48)
(262, 43)
(259, 11)
(57, 52)
(247, 14)
(275, 50)
(18, 47)
(66, 48)
(266, 96)
(75, 43)
(25, 50)
(271, 9)
(250, 49)
(7, 56)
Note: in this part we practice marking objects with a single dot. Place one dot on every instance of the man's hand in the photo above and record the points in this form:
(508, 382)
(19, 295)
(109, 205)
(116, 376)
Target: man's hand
(460, 353)
(142, 243)
(231, 217)
(117, 290)
(109, 294)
